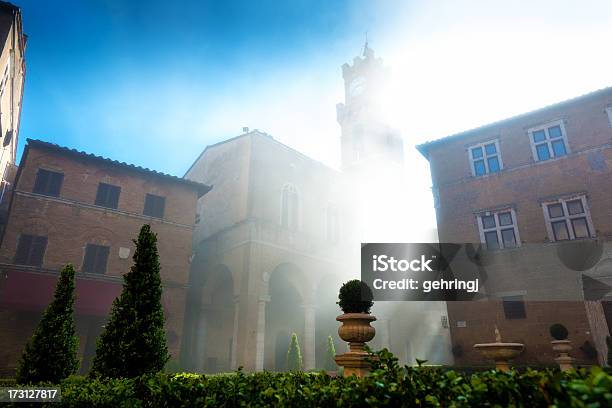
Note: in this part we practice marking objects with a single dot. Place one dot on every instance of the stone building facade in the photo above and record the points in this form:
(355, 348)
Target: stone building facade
(262, 239)
(530, 187)
(68, 206)
(12, 77)
(278, 234)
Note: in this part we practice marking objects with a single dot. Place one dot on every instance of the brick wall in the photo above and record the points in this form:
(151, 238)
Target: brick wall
(523, 184)
(72, 221)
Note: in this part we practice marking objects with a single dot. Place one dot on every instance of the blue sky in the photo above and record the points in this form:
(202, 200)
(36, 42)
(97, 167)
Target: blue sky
(152, 83)
(139, 81)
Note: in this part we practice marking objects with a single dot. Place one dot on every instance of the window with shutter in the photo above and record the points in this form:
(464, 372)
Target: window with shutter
(96, 259)
(108, 195)
(154, 206)
(48, 182)
(31, 250)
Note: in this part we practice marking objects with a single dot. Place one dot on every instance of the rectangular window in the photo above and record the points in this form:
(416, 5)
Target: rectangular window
(96, 258)
(154, 206)
(514, 307)
(108, 196)
(499, 230)
(31, 250)
(548, 141)
(485, 158)
(48, 182)
(568, 219)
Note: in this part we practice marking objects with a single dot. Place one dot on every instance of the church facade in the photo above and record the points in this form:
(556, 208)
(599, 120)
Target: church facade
(278, 234)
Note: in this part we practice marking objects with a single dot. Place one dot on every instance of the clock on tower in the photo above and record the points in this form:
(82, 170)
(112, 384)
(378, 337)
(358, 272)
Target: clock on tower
(366, 142)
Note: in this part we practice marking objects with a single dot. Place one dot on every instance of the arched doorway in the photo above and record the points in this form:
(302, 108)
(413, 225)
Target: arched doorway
(284, 314)
(216, 322)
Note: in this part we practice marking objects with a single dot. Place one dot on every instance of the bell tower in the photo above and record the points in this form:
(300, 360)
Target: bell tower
(366, 143)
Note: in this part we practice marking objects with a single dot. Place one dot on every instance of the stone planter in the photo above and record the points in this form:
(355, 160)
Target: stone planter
(356, 331)
(563, 347)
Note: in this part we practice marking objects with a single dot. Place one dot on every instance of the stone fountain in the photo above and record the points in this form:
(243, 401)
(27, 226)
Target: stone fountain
(499, 351)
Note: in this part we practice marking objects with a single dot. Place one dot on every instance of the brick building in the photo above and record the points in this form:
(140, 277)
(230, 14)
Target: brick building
(523, 187)
(12, 76)
(68, 206)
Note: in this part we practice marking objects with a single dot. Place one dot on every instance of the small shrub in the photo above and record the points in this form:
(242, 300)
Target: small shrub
(355, 297)
(558, 331)
(330, 363)
(294, 355)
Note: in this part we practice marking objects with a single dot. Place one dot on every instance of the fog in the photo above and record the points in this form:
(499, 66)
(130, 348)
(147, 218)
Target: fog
(280, 232)
(282, 227)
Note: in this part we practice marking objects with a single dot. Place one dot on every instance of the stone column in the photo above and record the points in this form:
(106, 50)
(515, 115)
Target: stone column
(309, 337)
(261, 332)
(234, 359)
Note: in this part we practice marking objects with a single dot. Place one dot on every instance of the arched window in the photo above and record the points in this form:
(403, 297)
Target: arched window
(332, 224)
(290, 206)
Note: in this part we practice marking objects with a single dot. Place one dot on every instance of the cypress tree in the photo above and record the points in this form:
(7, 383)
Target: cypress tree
(51, 353)
(133, 342)
(294, 355)
(330, 363)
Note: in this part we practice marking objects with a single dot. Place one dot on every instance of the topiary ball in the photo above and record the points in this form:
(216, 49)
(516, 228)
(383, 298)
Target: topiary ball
(558, 331)
(355, 297)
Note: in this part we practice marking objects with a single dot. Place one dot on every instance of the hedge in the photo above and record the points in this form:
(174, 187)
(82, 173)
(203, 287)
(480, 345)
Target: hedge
(388, 385)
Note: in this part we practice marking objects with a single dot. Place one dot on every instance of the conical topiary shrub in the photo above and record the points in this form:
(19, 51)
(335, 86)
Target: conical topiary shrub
(50, 355)
(330, 363)
(134, 342)
(294, 355)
